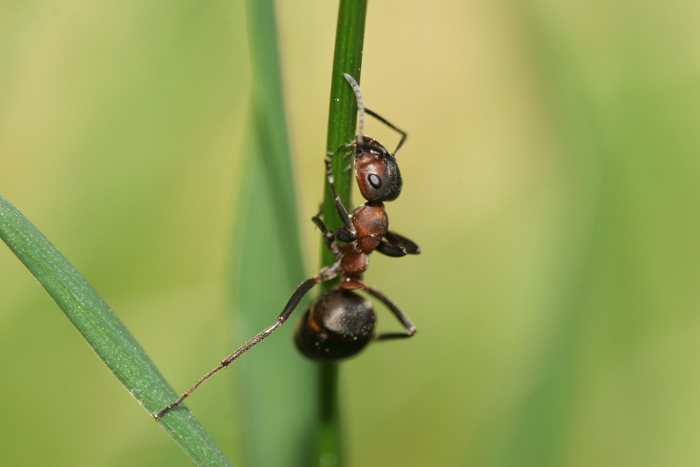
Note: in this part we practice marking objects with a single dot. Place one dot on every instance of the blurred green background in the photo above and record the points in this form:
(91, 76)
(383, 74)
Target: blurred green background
(550, 176)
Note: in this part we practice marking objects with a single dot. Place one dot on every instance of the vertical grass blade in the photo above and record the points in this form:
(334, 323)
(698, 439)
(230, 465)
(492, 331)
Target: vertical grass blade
(341, 130)
(342, 113)
(105, 333)
(277, 384)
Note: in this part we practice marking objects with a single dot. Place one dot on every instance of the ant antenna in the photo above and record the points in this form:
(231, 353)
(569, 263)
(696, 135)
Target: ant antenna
(361, 112)
(390, 125)
(360, 106)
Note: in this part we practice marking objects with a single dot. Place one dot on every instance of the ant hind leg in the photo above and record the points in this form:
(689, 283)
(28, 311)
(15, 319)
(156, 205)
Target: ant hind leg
(294, 300)
(403, 319)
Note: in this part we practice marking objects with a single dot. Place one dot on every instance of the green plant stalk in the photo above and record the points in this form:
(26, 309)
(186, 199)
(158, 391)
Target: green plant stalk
(277, 386)
(269, 120)
(105, 333)
(342, 113)
(342, 119)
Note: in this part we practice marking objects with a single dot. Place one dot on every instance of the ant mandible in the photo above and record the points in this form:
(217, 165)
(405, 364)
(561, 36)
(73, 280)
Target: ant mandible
(341, 322)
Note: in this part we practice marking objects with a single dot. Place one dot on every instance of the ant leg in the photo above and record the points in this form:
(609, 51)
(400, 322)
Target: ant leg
(342, 212)
(411, 247)
(361, 110)
(391, 249)
(347, 148)
(404, 135)
(410, 328)
(326, 273)
(328, 236)
(342, 146)
(397, 245)
(347, 153)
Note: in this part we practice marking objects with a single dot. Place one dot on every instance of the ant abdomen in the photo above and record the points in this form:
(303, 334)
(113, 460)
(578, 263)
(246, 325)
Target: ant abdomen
(338, 325)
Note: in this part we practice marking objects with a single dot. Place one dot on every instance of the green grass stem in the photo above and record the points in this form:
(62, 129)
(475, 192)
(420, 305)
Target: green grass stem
(342, 119)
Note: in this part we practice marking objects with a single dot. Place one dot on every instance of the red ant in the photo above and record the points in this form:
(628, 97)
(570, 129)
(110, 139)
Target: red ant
(341, 322)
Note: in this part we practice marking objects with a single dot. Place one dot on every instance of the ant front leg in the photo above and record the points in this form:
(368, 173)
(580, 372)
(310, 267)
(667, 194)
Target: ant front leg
(348, 232)
(410, 328)
(329, 272)
(349, 150)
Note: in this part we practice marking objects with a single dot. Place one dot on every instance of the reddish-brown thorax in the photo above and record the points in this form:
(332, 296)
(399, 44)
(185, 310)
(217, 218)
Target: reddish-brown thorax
(371, 222)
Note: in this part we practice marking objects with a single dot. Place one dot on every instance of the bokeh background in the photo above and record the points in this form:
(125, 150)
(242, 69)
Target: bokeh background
(551, 178)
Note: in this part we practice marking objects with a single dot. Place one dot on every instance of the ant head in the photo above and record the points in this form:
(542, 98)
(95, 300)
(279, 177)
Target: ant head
(377, 172)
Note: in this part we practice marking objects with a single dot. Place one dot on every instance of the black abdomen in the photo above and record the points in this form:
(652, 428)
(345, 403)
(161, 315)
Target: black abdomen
(339, 325)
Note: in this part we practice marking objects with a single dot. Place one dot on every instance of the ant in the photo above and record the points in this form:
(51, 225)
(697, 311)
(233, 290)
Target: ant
(341, 322)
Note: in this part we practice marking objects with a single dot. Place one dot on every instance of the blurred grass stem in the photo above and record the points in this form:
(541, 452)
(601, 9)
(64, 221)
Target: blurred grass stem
(277, 386)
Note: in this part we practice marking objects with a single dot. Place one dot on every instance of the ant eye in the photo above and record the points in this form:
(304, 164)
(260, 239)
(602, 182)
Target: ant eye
(375, 181)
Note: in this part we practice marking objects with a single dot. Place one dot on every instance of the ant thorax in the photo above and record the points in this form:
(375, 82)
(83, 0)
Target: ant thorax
(371, 223)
